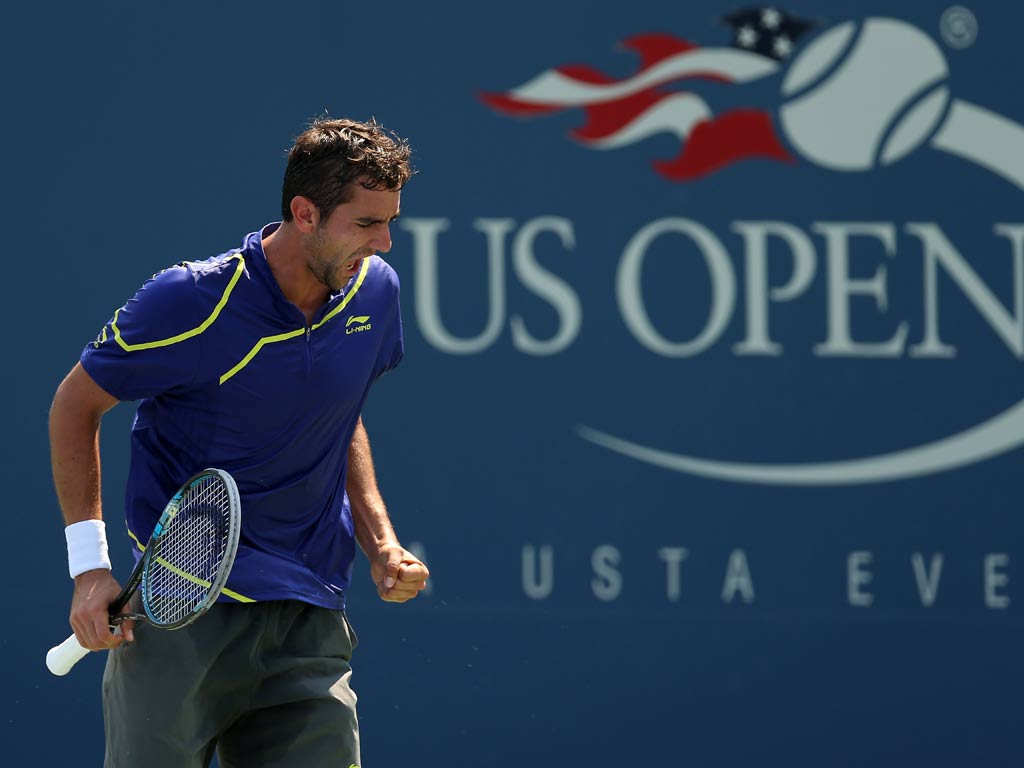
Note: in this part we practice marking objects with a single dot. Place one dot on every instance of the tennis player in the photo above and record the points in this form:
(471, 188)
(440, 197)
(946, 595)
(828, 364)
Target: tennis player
(257, 361)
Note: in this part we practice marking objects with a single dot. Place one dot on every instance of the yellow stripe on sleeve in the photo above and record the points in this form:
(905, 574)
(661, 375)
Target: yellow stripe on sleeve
(187, 334)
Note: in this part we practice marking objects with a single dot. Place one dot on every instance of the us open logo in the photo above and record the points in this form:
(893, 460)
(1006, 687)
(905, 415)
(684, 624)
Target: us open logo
(857, 96)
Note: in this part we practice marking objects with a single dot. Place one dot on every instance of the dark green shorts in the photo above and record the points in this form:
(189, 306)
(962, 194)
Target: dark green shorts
(265, 685)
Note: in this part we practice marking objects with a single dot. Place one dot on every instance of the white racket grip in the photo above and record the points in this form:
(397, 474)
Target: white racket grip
(61, 658)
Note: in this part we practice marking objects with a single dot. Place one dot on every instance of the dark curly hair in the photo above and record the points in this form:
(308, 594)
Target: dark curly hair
(330, 156)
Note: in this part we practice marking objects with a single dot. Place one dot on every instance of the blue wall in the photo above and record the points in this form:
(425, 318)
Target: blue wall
(676, 514)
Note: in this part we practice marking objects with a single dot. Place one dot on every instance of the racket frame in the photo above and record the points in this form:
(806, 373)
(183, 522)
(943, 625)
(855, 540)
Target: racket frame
(142, 568)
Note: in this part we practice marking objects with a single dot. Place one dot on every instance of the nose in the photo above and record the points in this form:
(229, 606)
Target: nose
(382, 240)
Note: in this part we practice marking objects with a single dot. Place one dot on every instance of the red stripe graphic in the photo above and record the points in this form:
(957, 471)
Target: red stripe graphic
(624, 111)
(729, 138)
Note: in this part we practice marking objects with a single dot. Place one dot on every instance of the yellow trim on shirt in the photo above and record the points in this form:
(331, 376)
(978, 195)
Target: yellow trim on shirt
(187, 334)
(255, 350)
(188, 576)
(365, 267)
(344, 302)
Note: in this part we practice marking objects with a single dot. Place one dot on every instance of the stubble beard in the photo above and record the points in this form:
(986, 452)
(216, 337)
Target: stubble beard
(323, 265)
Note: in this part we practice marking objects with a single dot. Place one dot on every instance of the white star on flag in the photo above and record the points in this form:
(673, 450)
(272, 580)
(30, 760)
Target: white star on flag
(770, 18)
(747, 37)
(782, 46)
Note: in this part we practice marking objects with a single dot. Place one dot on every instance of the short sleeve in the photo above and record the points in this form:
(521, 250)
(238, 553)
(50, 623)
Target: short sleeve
(153, 343)
(392, 348)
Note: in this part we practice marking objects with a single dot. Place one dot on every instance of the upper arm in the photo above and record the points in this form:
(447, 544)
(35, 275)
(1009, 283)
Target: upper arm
(75, 417)
(79, 394)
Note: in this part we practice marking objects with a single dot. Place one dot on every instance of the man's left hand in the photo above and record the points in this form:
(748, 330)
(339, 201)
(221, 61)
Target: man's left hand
(398, 574)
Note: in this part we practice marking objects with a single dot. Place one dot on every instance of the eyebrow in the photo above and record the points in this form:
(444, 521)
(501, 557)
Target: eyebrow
(371, 220)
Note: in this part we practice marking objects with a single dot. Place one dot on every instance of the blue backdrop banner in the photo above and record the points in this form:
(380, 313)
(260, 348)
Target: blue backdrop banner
(710, 422)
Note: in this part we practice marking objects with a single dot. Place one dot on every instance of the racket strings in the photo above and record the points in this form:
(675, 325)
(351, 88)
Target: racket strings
(189, 553)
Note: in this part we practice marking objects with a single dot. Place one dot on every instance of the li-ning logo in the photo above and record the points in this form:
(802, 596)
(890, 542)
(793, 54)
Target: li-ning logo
(857, 96)
(100, 337)
(357, 324)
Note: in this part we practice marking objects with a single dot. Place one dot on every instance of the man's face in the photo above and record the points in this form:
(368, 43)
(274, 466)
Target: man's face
(353, 231)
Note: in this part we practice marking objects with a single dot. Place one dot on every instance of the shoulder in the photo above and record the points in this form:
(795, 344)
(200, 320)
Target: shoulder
(383, 274)
(220, 270)
(377, 284)
(182, 295)
(195, 281)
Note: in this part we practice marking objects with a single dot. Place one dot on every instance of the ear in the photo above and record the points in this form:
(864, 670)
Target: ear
(305, 214)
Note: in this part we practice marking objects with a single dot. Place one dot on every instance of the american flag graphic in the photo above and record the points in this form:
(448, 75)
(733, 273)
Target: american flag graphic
(621, 112)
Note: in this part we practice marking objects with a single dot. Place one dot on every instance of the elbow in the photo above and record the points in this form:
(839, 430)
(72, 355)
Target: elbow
(79, 399)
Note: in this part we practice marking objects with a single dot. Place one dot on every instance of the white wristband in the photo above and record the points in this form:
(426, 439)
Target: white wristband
(87, 546)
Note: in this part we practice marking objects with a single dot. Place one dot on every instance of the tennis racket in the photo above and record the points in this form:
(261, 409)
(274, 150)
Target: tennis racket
(184, 566)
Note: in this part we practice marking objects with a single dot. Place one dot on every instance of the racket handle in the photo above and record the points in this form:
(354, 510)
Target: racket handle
(61, 658)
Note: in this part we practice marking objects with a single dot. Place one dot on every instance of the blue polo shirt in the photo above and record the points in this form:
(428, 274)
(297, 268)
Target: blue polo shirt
(228, 374)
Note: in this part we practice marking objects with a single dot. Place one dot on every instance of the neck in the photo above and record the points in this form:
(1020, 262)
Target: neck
(283, 249)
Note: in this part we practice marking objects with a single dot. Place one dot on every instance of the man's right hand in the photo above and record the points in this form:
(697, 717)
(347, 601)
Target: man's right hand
(90, 617)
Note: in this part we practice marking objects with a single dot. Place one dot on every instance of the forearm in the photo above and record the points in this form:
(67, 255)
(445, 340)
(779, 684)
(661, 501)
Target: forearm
(398, 574)
(369, 514)
(75, 417)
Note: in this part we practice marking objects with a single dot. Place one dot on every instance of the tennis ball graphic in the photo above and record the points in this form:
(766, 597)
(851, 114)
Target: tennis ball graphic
(856, 100)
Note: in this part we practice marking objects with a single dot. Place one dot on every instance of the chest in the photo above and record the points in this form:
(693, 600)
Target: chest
(299, 380)
(328, 360)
